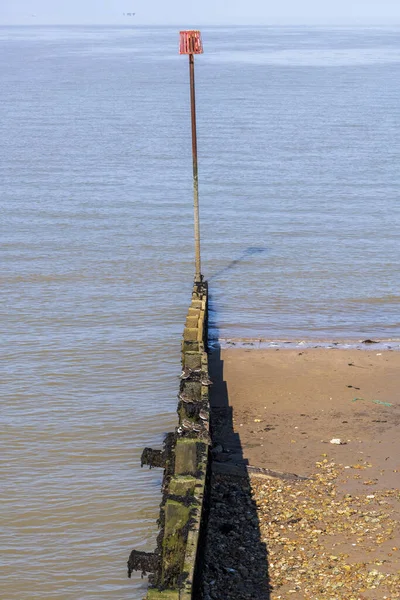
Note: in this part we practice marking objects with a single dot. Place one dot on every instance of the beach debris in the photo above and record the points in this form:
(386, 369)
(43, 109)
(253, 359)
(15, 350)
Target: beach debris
(300, 522)
(380, 402)
(353, 386)
(369, 342)
(337, 441)
(301, 532)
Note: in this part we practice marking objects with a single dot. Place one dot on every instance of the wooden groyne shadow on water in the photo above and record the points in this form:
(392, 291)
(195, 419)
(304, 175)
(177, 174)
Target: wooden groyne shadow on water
(246, 255)
(235, 557)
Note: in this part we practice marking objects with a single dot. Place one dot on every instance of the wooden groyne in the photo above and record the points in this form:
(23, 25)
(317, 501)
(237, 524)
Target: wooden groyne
(174, 565)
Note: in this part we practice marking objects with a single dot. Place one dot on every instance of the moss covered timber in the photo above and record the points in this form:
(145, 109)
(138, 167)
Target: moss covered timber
(184, 457)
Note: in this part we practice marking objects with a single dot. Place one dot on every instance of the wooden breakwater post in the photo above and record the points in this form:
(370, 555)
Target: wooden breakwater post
(173, 566)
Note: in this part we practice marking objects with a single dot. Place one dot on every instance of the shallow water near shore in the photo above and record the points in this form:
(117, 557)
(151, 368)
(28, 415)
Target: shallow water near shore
(299, 151)
(263, 344)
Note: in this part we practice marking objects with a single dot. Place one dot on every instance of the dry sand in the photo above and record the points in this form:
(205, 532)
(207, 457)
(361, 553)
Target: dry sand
(288, 405)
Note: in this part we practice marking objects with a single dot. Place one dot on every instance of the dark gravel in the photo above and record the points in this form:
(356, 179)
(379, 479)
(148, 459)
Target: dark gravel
(236, 566)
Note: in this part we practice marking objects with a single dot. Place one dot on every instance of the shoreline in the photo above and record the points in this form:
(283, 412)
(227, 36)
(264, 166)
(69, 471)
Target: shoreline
(283, 344)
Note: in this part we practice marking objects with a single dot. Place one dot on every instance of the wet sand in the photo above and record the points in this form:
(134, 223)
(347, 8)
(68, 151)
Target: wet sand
(336, 533)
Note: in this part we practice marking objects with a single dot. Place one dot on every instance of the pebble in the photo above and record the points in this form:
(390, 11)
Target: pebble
(273, 539)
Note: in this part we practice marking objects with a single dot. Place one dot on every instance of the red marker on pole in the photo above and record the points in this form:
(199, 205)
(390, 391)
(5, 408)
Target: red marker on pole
(191, 44)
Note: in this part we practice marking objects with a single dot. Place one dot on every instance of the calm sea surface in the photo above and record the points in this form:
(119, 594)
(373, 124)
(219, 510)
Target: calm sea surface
(299, 149)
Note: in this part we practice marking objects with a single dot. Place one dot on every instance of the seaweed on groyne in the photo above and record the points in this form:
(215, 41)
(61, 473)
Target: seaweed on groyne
(173, 566)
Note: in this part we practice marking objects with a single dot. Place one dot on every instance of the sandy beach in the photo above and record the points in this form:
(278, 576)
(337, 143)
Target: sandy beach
(330, 416)
(289, 404)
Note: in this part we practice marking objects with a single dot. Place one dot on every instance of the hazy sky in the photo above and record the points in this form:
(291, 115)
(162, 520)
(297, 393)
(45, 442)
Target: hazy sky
(201, 12)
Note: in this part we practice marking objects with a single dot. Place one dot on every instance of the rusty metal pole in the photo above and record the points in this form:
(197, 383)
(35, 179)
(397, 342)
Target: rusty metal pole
(190, 43)
(198, 276)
